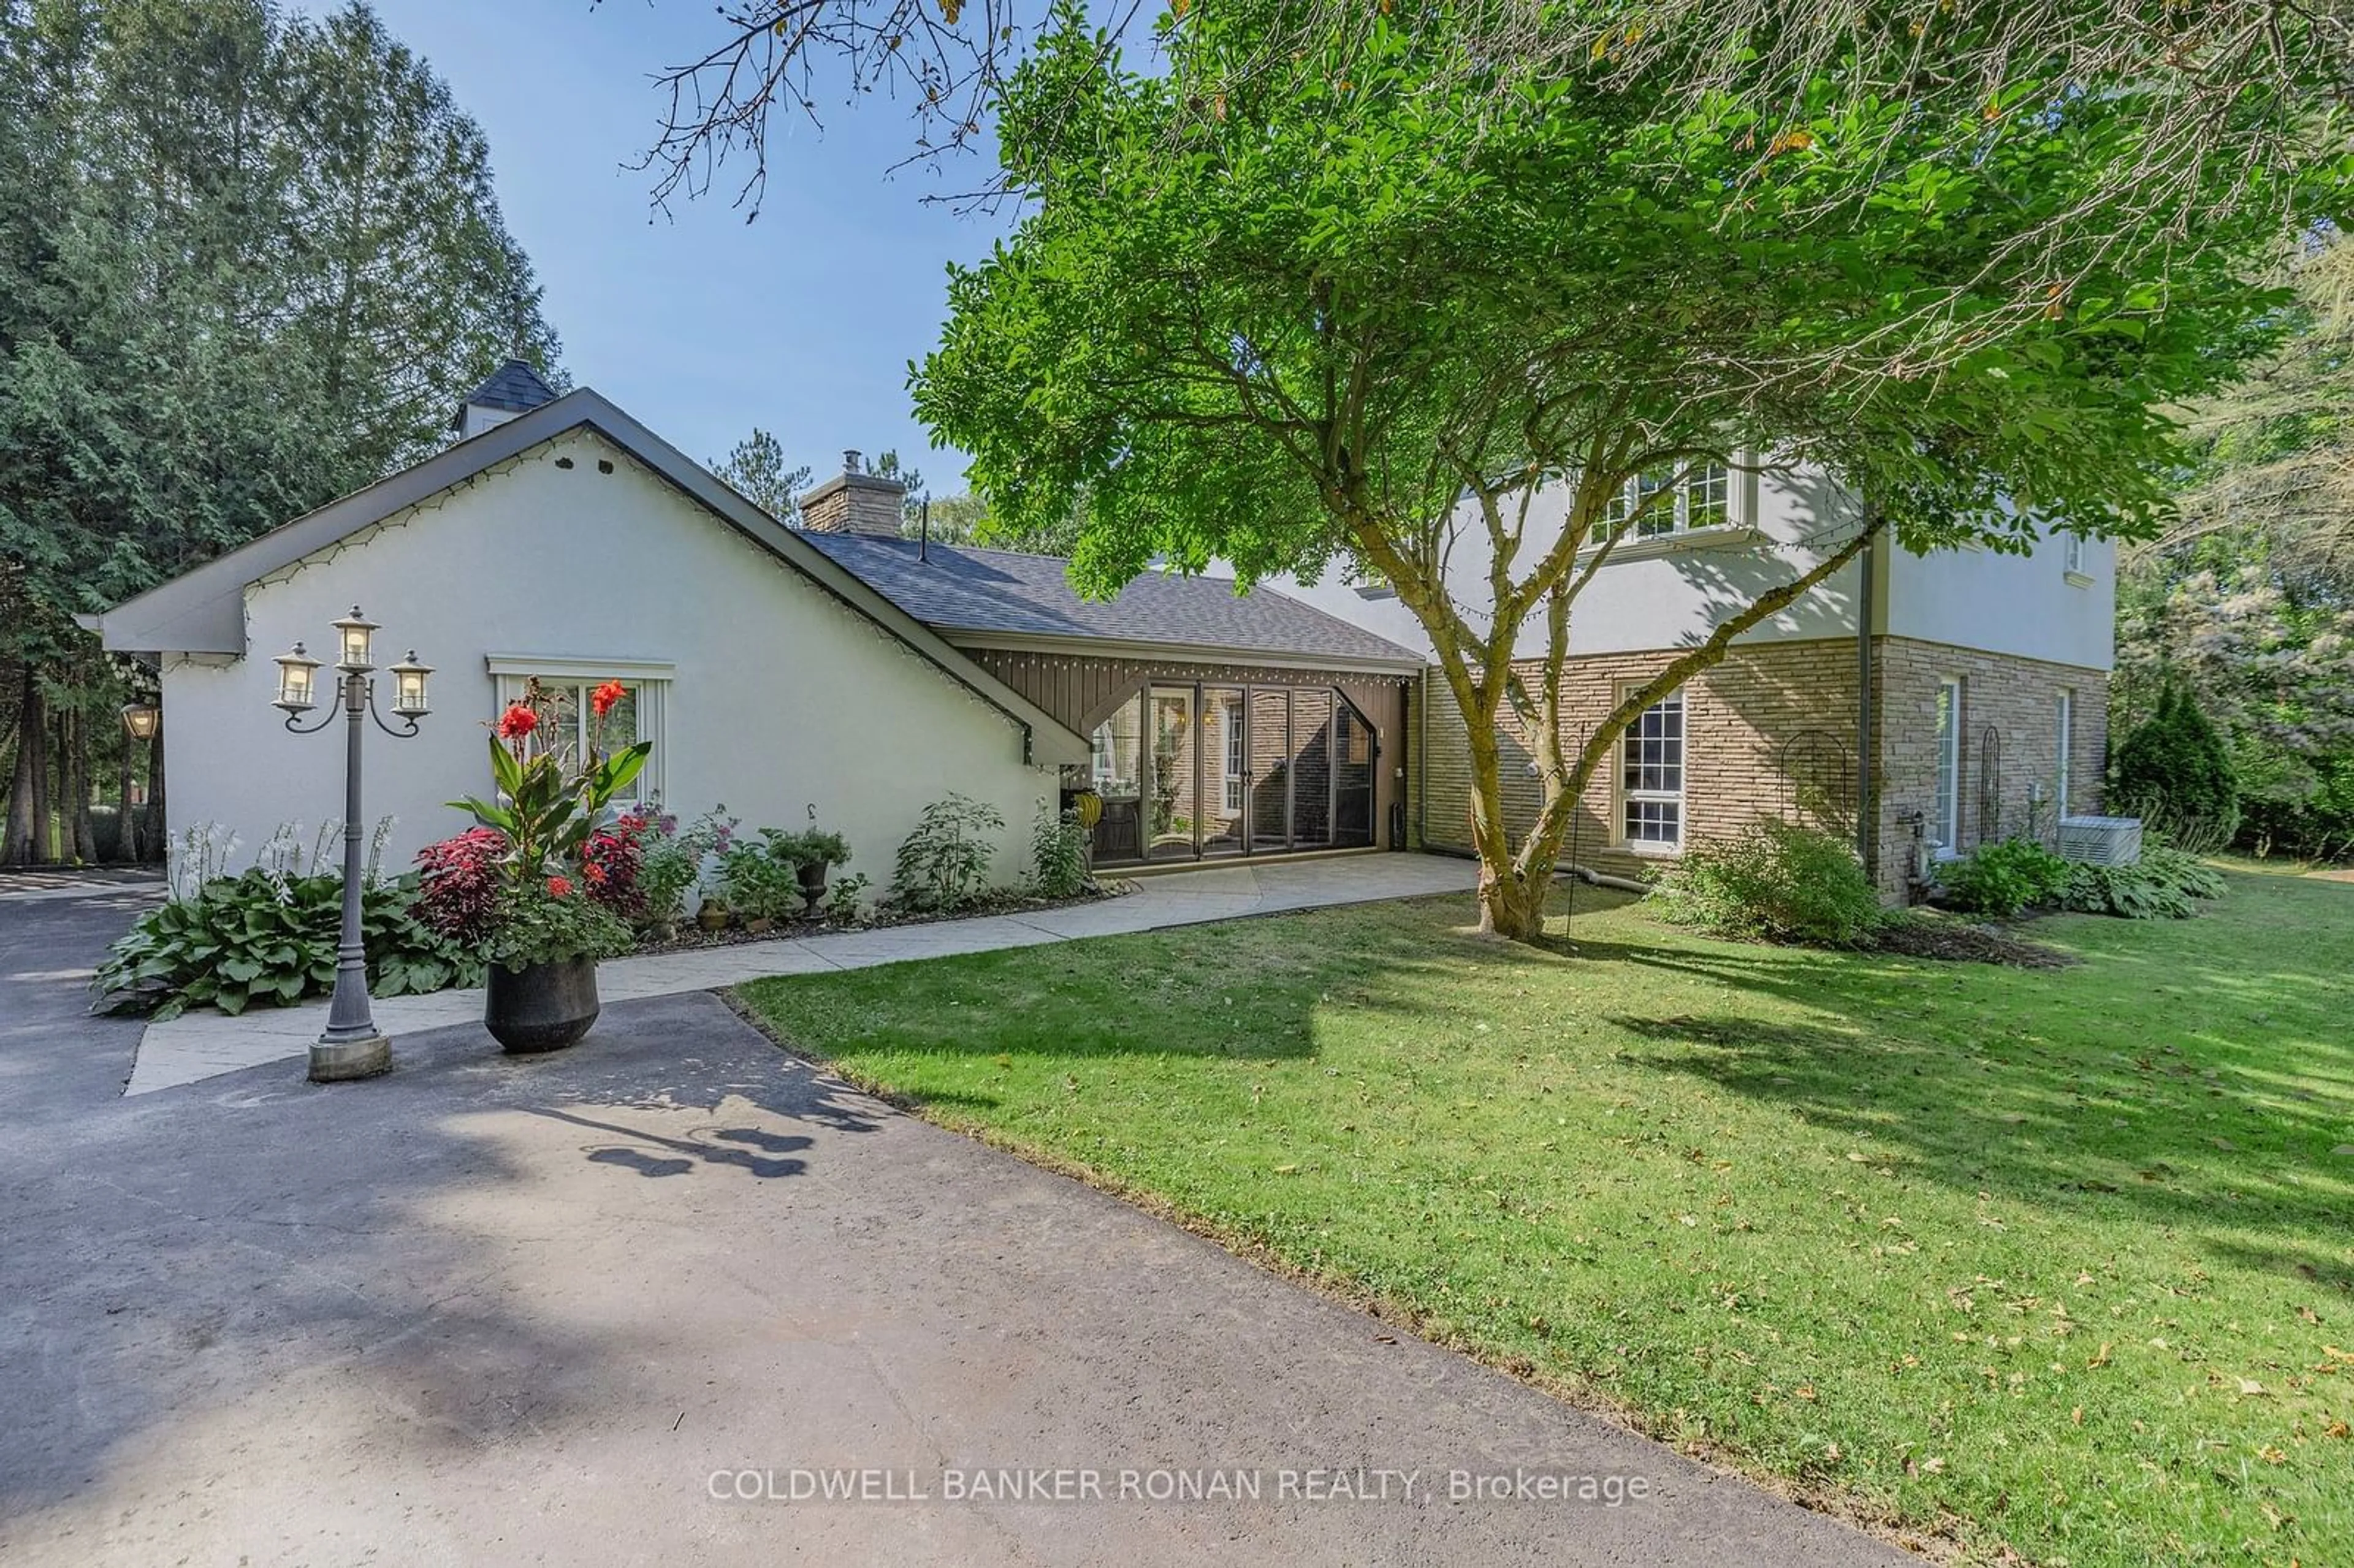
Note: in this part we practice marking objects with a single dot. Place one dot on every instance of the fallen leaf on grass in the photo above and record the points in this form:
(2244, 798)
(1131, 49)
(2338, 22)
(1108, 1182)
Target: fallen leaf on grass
(2100, 1357)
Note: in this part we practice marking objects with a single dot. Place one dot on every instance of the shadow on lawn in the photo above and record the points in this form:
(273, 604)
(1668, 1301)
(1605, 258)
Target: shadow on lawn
(2209, 1133)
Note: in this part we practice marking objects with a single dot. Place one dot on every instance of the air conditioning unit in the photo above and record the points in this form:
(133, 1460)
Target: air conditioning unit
(2100, 840)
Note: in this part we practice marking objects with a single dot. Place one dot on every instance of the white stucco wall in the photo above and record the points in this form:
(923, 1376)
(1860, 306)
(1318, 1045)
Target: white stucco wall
(782, 696)
(1655, 593)
(2022, 605)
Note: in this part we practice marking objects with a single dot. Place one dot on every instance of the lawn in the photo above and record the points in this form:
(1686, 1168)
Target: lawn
(2057, 1261)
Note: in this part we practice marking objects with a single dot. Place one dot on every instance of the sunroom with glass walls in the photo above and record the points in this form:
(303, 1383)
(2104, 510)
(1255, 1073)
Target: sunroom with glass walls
(1188, 770)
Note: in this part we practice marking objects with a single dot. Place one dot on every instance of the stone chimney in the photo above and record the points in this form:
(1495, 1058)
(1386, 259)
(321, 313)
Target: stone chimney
(855, 503)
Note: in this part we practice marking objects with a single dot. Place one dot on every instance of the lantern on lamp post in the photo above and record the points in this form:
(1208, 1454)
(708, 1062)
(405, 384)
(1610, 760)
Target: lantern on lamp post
(351, 1046)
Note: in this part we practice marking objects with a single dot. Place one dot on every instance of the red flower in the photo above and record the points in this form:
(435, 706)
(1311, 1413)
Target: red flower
(603, 698)
(594, 873)
(559, 888)
(517, 722)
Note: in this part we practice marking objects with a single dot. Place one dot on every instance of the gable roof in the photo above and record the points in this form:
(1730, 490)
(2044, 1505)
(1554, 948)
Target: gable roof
(202, 611)
(977, 596)
(514, 387)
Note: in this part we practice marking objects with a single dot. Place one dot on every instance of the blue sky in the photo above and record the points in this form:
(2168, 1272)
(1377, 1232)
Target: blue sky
(701, 326)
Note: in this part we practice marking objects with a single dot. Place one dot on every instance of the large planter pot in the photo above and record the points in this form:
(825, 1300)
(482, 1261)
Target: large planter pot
(541, 1007)
(812, 880)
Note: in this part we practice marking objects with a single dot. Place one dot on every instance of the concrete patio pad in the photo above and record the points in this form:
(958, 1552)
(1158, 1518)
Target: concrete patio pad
(496, 1312)
(205, 1044)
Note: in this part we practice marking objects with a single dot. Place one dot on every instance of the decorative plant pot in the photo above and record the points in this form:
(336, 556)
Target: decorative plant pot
(757, 923)
(712, 916)
(812, 880)
(541, 1007)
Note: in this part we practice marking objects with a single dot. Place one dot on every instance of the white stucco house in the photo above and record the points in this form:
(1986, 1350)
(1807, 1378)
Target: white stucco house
(833, 667)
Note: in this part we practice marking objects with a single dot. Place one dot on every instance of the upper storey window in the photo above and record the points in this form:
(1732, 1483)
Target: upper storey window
(1657, 505)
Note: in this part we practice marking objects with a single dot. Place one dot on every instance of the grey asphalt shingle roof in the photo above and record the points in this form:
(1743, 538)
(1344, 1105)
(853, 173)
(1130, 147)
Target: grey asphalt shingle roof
(514, 388)
(958, 588)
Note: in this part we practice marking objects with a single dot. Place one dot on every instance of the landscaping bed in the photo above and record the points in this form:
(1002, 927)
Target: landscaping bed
(692, 938)
(2058, 1262)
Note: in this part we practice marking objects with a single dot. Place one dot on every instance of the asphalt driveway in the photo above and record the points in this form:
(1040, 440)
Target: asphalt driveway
(503, 1312)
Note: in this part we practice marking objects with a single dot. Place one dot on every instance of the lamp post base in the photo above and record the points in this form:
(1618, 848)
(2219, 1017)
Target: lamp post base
(334, 1061)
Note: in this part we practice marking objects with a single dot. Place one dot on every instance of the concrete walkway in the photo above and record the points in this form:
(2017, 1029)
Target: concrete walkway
(199, 1045)
(615, 1306)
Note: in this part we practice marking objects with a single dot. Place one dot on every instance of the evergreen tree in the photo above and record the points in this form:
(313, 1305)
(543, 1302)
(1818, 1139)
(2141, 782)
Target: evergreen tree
(2175, 769)
(246, 265)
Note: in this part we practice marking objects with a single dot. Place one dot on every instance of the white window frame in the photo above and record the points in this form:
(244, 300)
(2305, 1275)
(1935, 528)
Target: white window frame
(1629, 796)
(1713, 480)
(1944, 826)
(2064, 740)
(2071, 554)
(650, 683)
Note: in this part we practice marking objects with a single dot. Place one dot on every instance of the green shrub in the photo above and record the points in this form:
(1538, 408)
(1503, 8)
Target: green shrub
(1777, 880)
(756, 882)
(1058, 854)
(2175, 770)
(265, 940)
(944, 864)
(2003, 878)
(2161, 885)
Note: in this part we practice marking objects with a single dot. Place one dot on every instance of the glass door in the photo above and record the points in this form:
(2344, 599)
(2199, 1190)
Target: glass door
(1352, 777)
(1270, 770)
(1224, 786)
(1173, 791)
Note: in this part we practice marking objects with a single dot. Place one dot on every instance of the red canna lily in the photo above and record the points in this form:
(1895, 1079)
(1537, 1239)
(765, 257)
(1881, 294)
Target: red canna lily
(517, 722)
(603, 698)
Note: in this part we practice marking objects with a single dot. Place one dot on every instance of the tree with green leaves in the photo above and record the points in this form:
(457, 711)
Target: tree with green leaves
(2246, 601)
(1358, 304)
(245, 265)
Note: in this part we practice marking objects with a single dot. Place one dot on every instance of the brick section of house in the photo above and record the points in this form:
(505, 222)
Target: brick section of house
(1771, 732)
(2007, 782)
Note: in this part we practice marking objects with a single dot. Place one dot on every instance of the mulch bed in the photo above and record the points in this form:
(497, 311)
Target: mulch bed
(1958, 941)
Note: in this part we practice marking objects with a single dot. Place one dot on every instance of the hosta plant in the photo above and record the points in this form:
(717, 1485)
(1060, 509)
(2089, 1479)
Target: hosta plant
(266, 940)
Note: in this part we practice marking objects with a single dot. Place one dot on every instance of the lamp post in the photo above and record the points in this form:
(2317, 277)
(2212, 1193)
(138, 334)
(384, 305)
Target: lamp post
(351, 1046)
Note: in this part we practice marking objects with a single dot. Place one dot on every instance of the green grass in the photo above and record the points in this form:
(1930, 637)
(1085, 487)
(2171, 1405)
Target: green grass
(2061, 1261)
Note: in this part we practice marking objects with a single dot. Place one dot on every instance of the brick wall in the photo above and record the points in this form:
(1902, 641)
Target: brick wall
(2015, 777)
(1772, 732)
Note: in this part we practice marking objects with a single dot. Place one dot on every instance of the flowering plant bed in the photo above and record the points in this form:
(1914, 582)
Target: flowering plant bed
(689, 939)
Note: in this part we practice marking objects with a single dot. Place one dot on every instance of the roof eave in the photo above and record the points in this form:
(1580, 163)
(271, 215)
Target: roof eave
(202, 611)
(1404, 663)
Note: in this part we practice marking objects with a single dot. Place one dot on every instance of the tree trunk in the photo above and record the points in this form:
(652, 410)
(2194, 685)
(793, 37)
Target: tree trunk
(1512, 905)
(24, 787)
(45, 794)
(78, 825)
